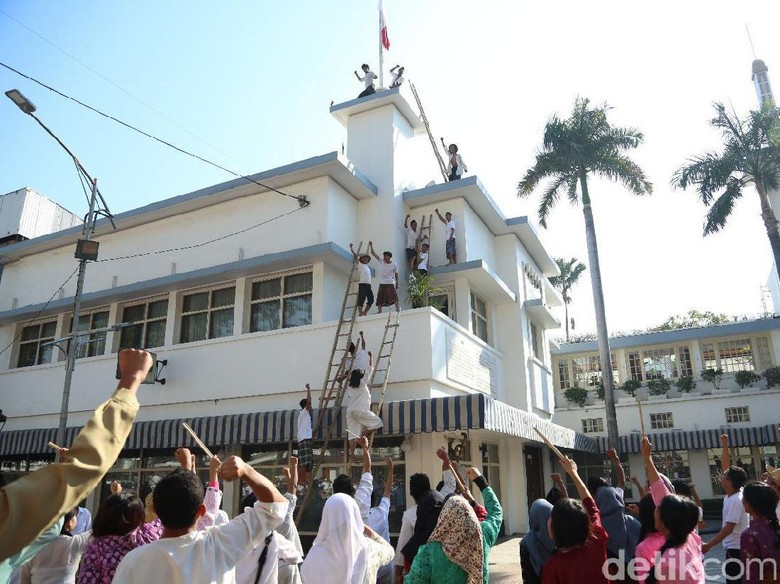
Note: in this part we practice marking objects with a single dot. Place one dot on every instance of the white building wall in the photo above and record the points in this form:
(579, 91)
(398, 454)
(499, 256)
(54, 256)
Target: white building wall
(479, 242)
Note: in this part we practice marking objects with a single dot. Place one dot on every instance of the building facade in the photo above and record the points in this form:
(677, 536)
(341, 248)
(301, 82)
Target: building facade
(238, 289)
(685, 408)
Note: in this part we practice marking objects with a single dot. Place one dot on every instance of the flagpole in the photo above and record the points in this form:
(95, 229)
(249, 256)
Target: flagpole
(381, 51)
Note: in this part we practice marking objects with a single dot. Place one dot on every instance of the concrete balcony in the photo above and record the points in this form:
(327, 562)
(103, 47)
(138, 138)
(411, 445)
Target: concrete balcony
(265, 371)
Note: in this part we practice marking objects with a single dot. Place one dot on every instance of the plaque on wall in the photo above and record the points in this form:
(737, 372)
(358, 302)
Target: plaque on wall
(470, 364)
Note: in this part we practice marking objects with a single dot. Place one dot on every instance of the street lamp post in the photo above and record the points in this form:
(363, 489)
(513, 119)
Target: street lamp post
(85, 250)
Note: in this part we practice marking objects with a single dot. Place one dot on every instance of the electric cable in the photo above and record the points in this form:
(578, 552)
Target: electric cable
(37, 314)
(302, 201)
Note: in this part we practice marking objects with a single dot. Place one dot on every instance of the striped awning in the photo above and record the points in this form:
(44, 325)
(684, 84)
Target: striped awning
(466, 412)
(696, 439)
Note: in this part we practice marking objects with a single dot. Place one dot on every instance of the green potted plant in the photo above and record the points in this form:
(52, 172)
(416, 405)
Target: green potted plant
(631, 385)
(576, 395)
(658, 386)
(772, 376)
(421, 288)
(714, 376)
(746, 378)
(685, 383)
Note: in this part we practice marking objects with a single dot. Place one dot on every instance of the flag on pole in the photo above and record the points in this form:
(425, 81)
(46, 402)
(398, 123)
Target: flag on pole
(383, 28)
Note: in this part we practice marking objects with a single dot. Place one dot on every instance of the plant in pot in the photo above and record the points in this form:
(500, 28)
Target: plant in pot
(576, 395)
(658, 386)
(685, 383)
(421, 288)
(746, 378)
(714, 376)
(772, 376)
(630, 386)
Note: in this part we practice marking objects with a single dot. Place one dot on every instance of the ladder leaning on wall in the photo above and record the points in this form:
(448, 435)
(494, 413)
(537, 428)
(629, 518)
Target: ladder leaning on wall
(424, 118)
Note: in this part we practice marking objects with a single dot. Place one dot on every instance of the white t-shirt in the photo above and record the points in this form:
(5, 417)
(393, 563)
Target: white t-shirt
(398, 79)
(304, 425)
(734, 512)
(281, 554)
(411, 238)
(360, 360)
(387, 272)
(359, 398)
(201, 556)
(449, 229)
(369, 78)
(423, 263)
(363, 495)
(365, 273)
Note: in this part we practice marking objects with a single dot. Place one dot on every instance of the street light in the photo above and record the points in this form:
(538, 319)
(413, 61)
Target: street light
(85, 251)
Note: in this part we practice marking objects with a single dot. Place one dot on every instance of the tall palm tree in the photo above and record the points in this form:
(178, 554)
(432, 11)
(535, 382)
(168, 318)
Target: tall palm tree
(571, 270)
(572, 149)
(751, 155)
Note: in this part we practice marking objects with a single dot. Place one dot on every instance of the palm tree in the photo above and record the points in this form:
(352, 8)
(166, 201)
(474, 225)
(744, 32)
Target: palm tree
(751, 155)
(573, 148)
(571, 270)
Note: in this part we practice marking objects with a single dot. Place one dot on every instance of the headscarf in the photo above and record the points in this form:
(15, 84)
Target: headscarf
(428, 510)
(460, 535)
(149, 508)
(339, 554)
(538, 543)
(623, 529)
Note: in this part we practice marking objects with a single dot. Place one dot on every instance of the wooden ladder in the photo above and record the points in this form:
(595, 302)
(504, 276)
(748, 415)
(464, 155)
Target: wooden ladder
(334, 387)
(381, 371)
(436, 151)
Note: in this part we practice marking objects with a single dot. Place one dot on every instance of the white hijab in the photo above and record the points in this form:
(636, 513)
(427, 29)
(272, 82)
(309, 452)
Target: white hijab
(339, 554)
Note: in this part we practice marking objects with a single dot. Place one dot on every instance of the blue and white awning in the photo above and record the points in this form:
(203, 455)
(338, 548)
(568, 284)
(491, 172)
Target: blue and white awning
(461, 413)
(696, 439)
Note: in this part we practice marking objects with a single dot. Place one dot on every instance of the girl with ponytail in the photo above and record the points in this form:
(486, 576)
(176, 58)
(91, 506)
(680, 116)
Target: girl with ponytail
(761, 540)
(679, 561)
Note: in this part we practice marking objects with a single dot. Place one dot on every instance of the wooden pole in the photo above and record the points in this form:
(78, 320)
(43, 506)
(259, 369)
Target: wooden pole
(198, 441)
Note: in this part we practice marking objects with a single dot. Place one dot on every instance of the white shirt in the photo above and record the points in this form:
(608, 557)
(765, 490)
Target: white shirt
(365, 273)
(411, 238)
(57, 562)
(423, 263)
(281, 554)
(398, 79)
(360, 360)
(449, 229)
(734, 512)
(363, 495)
(368, 80)
(304, 425)
(408, 521)
(378, 518)
(387, 272)
(359, 398)
(459, 161)
(201, 556)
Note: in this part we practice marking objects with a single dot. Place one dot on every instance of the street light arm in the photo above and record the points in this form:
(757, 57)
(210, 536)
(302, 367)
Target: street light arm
(60, 142)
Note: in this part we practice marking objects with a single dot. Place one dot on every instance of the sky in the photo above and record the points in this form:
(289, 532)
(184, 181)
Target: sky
(248, 86)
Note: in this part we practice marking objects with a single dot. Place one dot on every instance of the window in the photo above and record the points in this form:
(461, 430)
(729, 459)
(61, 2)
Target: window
(737, 414)
(586, 370)
(673, 463)
(281, 302)
(686, 368)
(537, 342)
(590, 425)
(207, 315)
(660, 363)
(533, 284)
(32, 337)
(479, 322)
(93, 343)
(737, 355)
(148, 325)
(741, 456)
(491, 467)
(563, 374)
(661, 421)
(635, 366)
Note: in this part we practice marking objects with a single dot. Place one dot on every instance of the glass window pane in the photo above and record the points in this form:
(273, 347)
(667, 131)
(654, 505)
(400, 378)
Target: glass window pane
(84, 321)
(100, 320)
(480, 307)
(223, 297)
(97, 345)
(131, 337)
(48, 330)
(158, 309)
(221, 323)
(193, 327)
(134, 313)
(297, 311)
(155, 334)
(265, 316)
(46, 354)
(27, 354)
(298, 283)
(193, 302)
(482, 329)
(267, 289)
(30, 333)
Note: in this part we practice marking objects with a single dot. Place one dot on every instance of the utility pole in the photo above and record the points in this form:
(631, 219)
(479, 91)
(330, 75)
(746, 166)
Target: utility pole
(73, 341)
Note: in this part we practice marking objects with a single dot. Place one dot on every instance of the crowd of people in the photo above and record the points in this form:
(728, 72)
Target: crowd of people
(184, 536)
(598, 538)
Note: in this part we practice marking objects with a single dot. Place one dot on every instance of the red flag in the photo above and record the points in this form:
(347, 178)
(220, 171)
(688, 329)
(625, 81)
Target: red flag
(383, 28)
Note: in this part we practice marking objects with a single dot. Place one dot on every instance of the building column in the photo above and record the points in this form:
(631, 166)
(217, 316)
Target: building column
(239, 324)
(171, 326)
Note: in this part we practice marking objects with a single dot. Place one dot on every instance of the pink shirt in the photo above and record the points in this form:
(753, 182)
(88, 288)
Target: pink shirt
(682, 565)
(645, 554)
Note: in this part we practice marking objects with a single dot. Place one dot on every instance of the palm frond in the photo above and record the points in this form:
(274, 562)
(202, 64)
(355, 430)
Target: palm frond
(709, 172)
(550, 197)
(721, 208)
(622, 169)
(548, 165)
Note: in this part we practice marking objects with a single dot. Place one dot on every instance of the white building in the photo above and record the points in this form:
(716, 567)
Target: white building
(246, 321)
(685, 427)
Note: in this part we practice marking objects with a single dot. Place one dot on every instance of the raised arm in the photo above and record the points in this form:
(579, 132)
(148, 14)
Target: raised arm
(559, 484)
(373, 253)
(292, 474)
(389, 482)
(571, 469)
(647, 455)
(31, 504)
(491, 526)
(619, 471)
(362, 340)
(308, 398)
(391, 70)
(725, 459)
(363, 443)
(354, 253)
(370, 360)
(358, 76)
(640, 489)
(234, 468)
(442, 219)
(448, 477)
(406, 221)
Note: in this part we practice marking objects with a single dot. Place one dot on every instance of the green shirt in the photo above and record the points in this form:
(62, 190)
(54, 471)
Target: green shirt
(432, 566)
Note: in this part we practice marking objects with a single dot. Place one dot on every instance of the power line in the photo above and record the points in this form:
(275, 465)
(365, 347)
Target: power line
(34, 318)
(106, 79)
(203, 243)
(302, 200)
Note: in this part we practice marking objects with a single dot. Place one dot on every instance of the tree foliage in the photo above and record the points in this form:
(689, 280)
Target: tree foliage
(694, 319)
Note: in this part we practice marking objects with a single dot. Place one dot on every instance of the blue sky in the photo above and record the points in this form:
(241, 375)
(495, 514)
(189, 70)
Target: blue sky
(253, 80)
